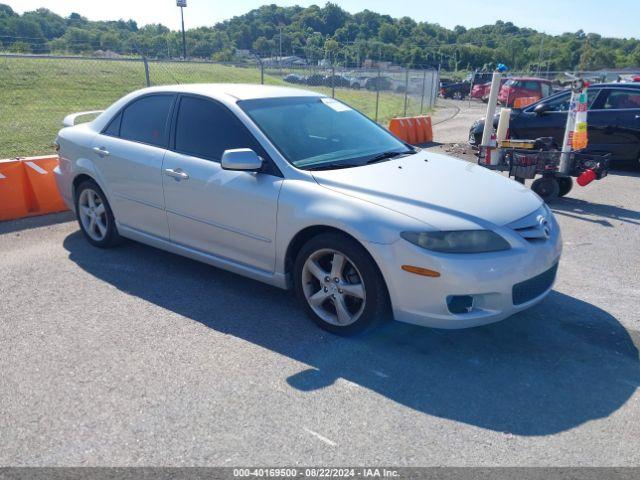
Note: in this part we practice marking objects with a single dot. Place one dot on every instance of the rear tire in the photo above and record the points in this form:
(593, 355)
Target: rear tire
(353, 303)
(95, 216)
(565, 185)
(547, 187)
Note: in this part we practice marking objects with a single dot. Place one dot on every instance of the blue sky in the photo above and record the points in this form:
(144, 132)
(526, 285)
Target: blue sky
(619, 18)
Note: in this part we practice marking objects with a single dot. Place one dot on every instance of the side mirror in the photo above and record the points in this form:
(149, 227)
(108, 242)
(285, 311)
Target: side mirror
(541, 109)
(243, 159)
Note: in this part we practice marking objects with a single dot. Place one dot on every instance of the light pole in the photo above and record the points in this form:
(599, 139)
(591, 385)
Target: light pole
(182, 4)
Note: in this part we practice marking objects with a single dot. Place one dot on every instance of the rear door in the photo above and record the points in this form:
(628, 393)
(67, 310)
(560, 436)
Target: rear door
(129, 154)
(529, 125)
(614, 126)
(230, 214)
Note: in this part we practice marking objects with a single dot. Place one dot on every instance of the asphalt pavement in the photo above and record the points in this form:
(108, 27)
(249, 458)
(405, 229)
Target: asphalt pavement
(134, 356)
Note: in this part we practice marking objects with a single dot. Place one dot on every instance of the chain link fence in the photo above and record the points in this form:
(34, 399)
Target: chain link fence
(39, 90)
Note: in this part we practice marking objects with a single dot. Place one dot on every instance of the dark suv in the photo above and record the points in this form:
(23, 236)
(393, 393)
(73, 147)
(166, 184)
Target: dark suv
(613, 120)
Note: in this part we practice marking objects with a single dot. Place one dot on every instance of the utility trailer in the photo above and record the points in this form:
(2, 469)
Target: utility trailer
(526, 159)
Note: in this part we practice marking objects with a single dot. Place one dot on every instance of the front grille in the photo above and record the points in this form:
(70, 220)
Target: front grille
(532, 233)
(534, 287)
(535, 227)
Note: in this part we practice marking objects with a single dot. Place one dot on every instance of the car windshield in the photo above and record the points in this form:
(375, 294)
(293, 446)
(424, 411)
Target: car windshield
(320, 132)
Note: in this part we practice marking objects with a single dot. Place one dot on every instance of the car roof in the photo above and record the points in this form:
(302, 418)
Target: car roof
(534, 79)
(617, 85)
(238, 91)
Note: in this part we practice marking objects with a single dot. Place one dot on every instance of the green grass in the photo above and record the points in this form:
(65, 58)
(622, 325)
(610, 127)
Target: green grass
(36, 94)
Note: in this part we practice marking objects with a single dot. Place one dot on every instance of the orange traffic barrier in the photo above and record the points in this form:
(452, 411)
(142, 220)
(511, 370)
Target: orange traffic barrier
(413, 130)
(16, 200)
(524, 101)
(396, 127)
(425, 129)
(410, 130)
(43, 184)
(28, 187)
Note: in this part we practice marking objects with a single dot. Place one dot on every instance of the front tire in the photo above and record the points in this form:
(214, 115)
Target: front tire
(95, 216)
(339, 285)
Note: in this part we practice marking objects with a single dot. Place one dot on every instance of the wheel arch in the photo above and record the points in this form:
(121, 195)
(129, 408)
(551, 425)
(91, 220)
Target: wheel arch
(78, 180)
(306, 234)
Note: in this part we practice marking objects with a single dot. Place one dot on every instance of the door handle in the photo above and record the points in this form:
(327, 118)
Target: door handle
(102, 151)
(637, 117)
(178, 174)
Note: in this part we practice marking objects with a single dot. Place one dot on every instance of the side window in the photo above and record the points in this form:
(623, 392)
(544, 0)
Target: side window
(113, 129)
(622, 100)
(145, 120)
(206, 129)
(561, 102)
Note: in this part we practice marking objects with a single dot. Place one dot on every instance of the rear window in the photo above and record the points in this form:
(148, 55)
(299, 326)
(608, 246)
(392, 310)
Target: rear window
(146, 120)
(530, 85)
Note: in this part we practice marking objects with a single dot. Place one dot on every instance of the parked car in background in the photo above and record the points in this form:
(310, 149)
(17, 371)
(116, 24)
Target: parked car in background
(480, 78)
(378, 83)
(300, 191)
(457, 90)
(460, 90)
(294, 78)
(523, 87)
(481, 91)
(613, 120)
(315, 80)
(337, 81)
(357, 82)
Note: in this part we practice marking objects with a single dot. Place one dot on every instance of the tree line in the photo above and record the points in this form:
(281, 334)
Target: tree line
(317, 33)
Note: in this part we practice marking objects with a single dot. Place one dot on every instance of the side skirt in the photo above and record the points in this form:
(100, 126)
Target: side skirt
(277, 280)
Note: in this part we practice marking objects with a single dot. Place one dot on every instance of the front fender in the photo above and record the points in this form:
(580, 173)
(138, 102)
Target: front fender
(303, 204)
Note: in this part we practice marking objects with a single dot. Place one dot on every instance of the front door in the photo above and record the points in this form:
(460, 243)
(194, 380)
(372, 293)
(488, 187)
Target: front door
(230, 214)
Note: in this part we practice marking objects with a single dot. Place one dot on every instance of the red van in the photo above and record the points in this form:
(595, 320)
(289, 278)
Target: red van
(523, 87)
(481, 91)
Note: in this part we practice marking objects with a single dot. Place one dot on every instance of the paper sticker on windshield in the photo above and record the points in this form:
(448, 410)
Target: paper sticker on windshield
(335, 105)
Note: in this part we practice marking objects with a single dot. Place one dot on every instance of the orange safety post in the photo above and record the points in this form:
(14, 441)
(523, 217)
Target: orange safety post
(40, 174)
(16, 200)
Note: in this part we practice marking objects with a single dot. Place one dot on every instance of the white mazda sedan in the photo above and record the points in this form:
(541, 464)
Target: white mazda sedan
(301, 191)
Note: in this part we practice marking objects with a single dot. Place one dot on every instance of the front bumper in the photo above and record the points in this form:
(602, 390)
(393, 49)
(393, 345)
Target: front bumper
(489, 278)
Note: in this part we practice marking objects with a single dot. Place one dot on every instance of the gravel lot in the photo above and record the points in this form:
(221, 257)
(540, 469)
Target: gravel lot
(133, 356)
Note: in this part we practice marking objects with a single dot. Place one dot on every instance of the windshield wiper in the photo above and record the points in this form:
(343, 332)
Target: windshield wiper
(333, 166)
(389, 155)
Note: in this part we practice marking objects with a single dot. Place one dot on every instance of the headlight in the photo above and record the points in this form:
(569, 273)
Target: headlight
(460, 241)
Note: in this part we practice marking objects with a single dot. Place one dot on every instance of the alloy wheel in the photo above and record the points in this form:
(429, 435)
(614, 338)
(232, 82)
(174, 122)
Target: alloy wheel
(333, 287)
(93, 214)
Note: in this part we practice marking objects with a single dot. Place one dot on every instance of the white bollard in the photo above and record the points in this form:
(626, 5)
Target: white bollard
(503, 125)
(491, 109)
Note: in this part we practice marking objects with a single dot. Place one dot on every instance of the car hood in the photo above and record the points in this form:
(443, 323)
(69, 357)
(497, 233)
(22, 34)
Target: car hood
(441, 191)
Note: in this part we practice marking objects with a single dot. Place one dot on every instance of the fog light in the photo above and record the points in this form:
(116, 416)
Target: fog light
(460, 303)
